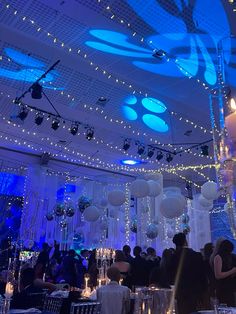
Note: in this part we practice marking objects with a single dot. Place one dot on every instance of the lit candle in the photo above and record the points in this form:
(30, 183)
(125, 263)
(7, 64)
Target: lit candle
(120, 281)
(143, 306)
(99, 282)
(86, 283)
(9, 290)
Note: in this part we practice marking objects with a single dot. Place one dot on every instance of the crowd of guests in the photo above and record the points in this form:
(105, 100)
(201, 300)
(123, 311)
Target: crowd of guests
(197, 277)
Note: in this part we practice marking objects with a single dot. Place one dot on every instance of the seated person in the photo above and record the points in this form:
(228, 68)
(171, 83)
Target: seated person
(30, 295)
(38, 279)
(114, 298)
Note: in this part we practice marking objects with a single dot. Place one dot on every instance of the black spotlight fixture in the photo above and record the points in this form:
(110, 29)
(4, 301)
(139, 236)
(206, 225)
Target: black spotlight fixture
(74, 128)
(141, 150)
(39, 118)
(89, 134)
(159, 53)
(169, 157)
(150, 152)
(36, 91)
(126, 145)
(23, 113)
(55, 124)
(205, 151)
(159, 156)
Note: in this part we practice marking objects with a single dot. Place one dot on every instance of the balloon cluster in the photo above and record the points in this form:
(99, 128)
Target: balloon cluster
(83, 203)
(65, 209)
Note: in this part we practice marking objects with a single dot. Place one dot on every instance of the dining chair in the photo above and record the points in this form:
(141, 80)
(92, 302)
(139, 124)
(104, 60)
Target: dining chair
(85, 308)
(52, 305)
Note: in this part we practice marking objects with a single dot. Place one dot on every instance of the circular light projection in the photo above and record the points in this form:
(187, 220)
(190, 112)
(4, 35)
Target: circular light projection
(155, 123)
(129, 113)
(131, 100)
(130, 162)
(153, 104)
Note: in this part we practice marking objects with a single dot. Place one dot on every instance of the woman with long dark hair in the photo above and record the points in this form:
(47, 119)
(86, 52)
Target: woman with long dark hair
(225, 273)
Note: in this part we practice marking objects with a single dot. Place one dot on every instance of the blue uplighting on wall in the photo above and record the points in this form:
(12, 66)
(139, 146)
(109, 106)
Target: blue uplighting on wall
(153, 104)
(31, 70)
(180, 30)
(141, 109)
(130, 162)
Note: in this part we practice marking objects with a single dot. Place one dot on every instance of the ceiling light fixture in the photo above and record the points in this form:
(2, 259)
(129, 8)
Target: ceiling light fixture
(89, 134)
(36, 91)
(126, 145)
(150, 152)
(141, 149)
(74, 128)
(55, 124)
(130, 162)
(205, 151)
(169, 157)
(159, 156)
(39, 118)
(23, 113)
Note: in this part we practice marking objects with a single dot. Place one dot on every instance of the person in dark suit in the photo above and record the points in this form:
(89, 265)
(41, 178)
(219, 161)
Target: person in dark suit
(139, 269)
(127, 251)
(188, 276)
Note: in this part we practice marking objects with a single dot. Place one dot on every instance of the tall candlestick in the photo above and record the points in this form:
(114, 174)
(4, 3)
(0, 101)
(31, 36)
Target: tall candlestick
(99, 282)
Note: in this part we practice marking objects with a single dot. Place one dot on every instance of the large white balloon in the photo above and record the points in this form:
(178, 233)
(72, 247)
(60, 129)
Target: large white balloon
(172, 206)
(139, 188)
(91, 213)
(154, 188)
(152, 231)
(209, 190)
(204, 202)
(116, 198)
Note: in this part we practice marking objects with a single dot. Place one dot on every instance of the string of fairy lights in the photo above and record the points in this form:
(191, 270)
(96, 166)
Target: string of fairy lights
(24, 18)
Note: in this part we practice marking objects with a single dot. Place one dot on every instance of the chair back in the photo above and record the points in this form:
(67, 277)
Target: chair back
(85, 308)
(52, 305)
(36, 299)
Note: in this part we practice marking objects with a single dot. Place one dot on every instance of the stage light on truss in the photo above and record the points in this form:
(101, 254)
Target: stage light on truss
(204, 149)
(169, 157)
(23, 113)
(89, 134)
(126, 145)
(74, 128)
(55, 124)
(141, 149)
(39, 118)
(36, 91)
(159, 156)
(150, 152)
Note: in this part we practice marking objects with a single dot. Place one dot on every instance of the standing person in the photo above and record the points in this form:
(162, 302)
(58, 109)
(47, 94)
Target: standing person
(115, 299)
(152, 259)
(225, 273)
(69, 269)
(43, 257)
(127, 253)
(139, 269)
(123, 267)
(189, 276)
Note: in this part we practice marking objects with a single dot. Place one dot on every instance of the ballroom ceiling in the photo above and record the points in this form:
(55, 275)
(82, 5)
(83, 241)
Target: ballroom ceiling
(131, 71)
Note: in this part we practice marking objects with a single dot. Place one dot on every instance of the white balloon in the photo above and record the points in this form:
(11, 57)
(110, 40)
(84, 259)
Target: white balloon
(172, 207)
(204, 202)
(154, 188)
(209, 190)
(152, 231)
(139, 188)
(116, 198)
(104, 202)
(91, 213)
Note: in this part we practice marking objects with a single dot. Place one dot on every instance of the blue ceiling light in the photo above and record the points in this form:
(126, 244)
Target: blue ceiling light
(121, 52)
(153, 104)
(155, 123)
(23, 59)
(131, 100)
(130, 162)
(129, 113)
